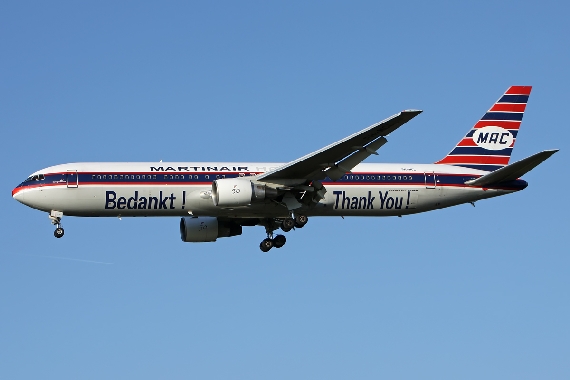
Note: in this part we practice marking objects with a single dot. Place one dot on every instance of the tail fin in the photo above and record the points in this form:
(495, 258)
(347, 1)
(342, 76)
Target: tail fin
(489, 144)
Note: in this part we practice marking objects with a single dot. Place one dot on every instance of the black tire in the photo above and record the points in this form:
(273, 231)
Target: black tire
(58, 233)
(279, 241)
(266, 245)
(287, 224)
(300, 221)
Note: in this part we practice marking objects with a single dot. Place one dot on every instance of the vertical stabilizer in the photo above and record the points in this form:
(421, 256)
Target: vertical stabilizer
(489, 144)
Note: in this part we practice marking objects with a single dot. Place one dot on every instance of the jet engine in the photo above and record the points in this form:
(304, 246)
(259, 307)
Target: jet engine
(237, 192)
(204, 229)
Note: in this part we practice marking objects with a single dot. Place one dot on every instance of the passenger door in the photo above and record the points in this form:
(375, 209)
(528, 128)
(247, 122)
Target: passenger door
(430, 180)
(72, 179)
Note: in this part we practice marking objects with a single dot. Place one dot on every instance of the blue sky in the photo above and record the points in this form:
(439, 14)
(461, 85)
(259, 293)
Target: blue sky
(458, 293)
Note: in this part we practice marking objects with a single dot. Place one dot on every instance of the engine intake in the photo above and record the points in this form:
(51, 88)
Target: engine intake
(205, 229)
(238, 192)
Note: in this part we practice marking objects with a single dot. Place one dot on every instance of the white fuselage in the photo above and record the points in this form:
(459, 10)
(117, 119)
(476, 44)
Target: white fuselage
(182, 188)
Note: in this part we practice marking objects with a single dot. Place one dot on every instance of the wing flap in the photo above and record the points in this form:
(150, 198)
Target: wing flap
(347, 164)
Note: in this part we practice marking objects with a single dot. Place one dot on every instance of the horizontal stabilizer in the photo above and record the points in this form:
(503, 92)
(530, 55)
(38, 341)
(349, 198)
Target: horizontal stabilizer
(513, 171)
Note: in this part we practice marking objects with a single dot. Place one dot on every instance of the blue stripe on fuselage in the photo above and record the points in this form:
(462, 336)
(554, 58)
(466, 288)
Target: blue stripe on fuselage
(394, 179)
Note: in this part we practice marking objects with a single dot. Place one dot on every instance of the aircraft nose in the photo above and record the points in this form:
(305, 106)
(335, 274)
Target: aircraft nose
(18, 195)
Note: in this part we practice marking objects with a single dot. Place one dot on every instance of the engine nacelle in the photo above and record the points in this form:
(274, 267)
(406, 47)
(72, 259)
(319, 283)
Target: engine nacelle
(204, 229)
(238, 192)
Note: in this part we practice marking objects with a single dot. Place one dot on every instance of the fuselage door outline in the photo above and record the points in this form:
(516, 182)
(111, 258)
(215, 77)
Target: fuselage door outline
(430, 180)
(72, 179)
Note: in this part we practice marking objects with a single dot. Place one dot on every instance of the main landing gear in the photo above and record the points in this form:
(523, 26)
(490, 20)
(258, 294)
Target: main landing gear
(268, 243)
(287, 224)
(55, 217)
(298, 221)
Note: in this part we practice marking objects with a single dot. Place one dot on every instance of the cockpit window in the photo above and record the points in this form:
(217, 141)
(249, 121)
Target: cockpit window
(37, 177)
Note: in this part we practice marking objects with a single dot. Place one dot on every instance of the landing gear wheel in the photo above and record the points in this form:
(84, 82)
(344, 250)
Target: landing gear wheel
(58, 232)
(300, 221)
(279, 241)
(266, 245)
(287, 224)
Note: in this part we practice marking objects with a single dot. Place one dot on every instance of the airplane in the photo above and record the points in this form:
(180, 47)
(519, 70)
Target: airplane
(216, 200)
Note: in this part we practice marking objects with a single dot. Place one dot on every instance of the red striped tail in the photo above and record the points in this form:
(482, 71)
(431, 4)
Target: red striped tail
(489, 144)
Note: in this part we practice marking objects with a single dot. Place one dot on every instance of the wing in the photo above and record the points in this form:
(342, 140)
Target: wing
(335, 160)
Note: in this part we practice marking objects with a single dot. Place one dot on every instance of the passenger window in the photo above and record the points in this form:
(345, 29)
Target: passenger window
(154, 176)
(92, 176)
(98, 177)
(138, 177)
(207, 176)
(399, 178)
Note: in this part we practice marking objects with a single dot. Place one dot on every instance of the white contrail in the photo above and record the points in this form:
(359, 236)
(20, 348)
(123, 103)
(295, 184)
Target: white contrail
(61, 258)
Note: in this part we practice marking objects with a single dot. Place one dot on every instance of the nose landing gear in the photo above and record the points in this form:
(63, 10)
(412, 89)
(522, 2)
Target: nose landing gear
(58, 232)
(55, 217)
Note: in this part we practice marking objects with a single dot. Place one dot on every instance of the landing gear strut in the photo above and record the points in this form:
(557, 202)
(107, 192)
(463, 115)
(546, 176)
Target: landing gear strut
(271, 241)
(55, 217)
